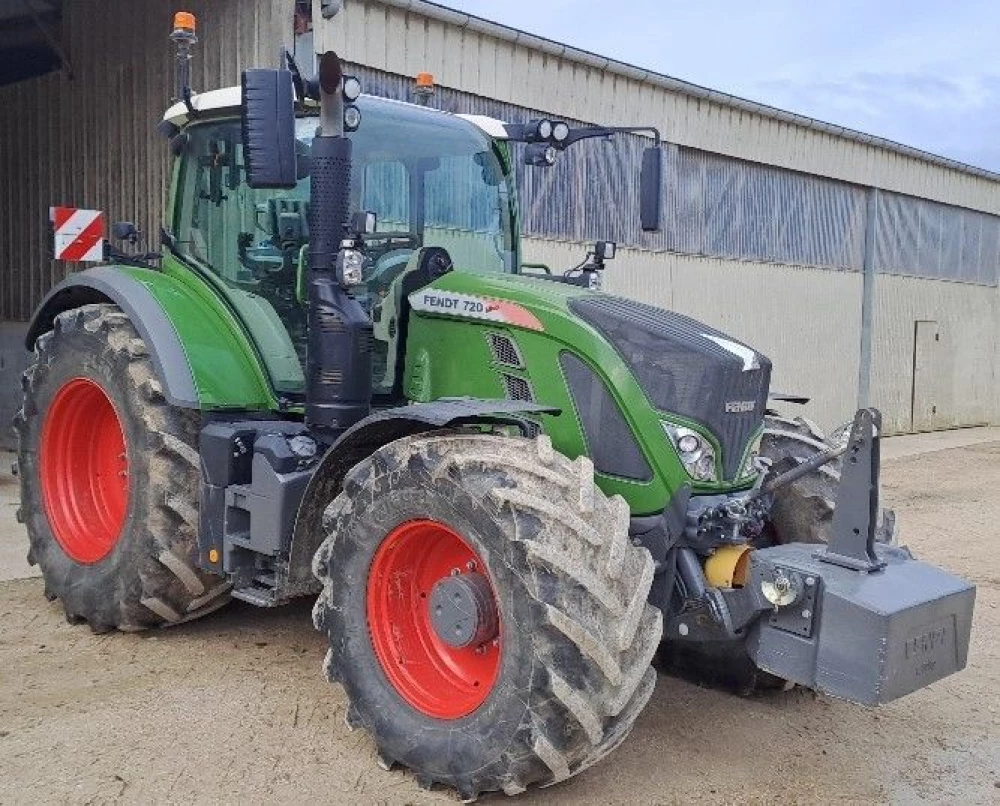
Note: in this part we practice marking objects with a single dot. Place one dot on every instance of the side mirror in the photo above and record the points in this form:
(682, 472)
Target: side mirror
(650, 187)
(125, 231)
(605, 250)
(268, 109)
(364, 222)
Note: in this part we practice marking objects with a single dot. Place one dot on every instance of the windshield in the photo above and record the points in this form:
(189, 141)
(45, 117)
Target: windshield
(431, 179)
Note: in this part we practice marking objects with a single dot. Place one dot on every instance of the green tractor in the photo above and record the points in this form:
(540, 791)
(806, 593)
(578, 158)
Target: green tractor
(508, 491)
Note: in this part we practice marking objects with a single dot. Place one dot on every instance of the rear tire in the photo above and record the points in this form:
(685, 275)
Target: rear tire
(130, 561)
(571, 669)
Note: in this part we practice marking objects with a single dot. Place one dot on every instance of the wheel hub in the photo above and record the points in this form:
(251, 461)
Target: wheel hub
(433, 619)
(462, 611)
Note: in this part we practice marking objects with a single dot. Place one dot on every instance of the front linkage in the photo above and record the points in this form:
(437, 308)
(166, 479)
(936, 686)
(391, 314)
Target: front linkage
(859, 618)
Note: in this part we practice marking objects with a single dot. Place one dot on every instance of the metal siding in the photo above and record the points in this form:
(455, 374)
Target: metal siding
(967, 316)
(535, 77)
(91, 141)
(928, 239)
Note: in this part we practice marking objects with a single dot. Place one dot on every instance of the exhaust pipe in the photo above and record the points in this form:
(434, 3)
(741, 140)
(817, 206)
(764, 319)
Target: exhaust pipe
(339, 361)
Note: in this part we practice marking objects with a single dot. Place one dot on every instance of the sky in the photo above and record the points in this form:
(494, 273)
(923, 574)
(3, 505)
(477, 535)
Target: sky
(926, 74)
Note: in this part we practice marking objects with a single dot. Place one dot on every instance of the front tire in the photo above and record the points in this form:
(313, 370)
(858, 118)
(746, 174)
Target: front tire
(802, 511)
(109, 479)
(560, 681)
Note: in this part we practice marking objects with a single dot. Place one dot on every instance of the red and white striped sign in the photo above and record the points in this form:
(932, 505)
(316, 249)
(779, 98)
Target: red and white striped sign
(79, 233)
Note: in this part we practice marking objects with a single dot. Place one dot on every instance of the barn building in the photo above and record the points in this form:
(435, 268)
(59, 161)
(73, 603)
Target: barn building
(865, 269)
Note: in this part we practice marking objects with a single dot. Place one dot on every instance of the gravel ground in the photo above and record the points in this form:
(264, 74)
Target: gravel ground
(234, 708)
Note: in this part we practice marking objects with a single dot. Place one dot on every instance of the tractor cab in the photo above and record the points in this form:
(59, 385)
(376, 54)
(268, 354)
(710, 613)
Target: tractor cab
(431, 179)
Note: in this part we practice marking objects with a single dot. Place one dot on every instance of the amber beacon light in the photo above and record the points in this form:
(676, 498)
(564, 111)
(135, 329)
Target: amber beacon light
(185, 21)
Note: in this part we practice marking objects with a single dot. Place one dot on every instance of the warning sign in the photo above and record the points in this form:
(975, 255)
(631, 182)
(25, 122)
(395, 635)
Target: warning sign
(79, 234)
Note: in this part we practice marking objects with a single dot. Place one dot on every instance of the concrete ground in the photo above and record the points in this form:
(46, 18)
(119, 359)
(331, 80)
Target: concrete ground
(234, 708)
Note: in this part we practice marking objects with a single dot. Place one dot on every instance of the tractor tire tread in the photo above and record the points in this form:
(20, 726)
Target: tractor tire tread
(594, 632)
(802, 510)
(155, 581)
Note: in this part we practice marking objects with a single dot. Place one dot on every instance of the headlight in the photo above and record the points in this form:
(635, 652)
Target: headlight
(350, 267)
(688, 443)
(695, 452)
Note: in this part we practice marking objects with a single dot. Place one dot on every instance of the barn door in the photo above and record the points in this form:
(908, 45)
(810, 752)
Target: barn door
(929, 375)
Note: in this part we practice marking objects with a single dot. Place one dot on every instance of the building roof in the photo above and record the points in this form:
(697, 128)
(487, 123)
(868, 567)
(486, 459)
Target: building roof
(507, 33)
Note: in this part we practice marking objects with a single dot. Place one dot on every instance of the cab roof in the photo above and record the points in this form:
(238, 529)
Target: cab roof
(229, 99)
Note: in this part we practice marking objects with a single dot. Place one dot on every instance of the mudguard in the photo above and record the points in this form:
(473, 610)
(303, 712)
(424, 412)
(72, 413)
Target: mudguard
(363, 439)
(201, 355)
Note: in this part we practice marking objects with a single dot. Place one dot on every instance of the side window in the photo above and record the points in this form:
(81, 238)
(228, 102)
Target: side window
(386, 192)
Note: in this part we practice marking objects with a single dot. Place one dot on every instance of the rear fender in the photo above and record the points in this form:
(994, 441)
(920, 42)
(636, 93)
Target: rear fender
(202, 358)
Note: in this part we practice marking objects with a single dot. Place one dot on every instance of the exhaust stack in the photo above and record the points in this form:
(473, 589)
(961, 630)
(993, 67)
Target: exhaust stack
(339, 371)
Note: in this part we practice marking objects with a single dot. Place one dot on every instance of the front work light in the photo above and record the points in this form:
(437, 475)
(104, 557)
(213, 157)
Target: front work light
(694, 451)
(352, 88)
(352, 118)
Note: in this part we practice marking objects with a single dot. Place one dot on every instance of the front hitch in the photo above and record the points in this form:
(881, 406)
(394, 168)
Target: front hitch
(857, 619)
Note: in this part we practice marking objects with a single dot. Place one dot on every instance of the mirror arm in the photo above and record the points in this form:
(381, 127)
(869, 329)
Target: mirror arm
(607, 131)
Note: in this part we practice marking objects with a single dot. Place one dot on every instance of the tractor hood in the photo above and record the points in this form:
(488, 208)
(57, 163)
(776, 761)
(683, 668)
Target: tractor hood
(656, 366)
(686, 368)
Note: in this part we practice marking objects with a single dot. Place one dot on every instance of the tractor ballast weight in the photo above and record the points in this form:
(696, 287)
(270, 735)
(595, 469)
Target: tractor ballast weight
(858, 619)
(506, 502)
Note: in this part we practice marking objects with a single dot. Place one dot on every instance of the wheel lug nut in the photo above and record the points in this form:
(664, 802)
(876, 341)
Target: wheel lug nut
(455, 572)
(471, 565)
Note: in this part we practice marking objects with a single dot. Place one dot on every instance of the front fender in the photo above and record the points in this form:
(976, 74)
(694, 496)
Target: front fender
(362, 440)
(200, 353)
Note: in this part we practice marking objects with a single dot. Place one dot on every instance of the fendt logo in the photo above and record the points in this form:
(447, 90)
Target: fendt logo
(926, 642)
(740, 406)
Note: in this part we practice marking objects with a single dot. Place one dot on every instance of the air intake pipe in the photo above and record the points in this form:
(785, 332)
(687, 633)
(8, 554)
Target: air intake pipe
(339, 361)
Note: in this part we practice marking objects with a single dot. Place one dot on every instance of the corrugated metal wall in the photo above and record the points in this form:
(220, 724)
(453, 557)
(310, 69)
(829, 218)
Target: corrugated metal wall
(91, 141)
(523, 73)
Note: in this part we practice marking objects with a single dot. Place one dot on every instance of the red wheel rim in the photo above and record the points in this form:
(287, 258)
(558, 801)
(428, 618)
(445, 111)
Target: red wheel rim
(435, 678)
(84, 470)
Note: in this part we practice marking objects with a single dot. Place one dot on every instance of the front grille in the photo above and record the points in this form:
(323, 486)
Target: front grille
(517, 388)
(504, 350)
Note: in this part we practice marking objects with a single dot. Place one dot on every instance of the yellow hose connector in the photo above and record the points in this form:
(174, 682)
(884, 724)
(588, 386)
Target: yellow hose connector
(727, 567)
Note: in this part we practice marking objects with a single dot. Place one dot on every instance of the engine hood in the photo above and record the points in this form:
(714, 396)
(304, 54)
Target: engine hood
(687, 368)
(684, 369)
